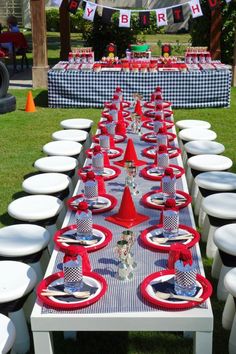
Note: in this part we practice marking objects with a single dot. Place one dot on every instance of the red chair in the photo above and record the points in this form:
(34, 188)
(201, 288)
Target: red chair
(19, 46)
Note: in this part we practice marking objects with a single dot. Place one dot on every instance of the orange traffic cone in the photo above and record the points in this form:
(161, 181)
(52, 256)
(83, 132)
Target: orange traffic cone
(130, 155)
(30, 106)
(127, 215)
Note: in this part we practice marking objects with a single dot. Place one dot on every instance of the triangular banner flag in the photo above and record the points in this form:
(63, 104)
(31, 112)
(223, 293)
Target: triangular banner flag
(144, 18)
(178, 14)
(195, 8)
(161, 17)
(54, 3)
(213, 3)
(89, 11)
(107, 14)
(73, 6)
(227, 1)
(124, 20)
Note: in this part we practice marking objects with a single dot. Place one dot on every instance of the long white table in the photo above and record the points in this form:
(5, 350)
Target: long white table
(121, 308)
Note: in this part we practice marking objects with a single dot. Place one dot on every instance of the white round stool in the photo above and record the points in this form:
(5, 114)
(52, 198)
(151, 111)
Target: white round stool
(7, 334)
(200, 147)
(40, 209)
(228, 317)
(56, 184)
(191, 134)
(210, 183)
(62, 148)
(206, 163)
(192, 123)
(77, 123)
(70, 135)
(196, 134)
(225, 257)
(62, 164)
(16, 282)
(221, 210)
(26, 243)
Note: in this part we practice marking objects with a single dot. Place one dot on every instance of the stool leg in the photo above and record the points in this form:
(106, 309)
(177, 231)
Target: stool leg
(28, 305)
(22, 342)
(52, 229)
(211, 247)
(44, 260)
(222, 293)
(205, 229)
(232, 338)
(216, 266)
(228, 313)
(38, 270)
(194, 191)
(201, 216)
(197, 204)
(189, 177)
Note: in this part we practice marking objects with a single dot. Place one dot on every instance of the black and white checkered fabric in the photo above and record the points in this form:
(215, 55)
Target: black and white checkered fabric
(185, 279)
(210, 88)
(72, 274)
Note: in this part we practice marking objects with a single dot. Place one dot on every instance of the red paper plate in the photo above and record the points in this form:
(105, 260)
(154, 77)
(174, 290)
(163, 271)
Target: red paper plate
(149, 172)
(118, 138)
(151, 137)
(101, 232)
(149, 124)
(125, 104)
(157, 194)
(110, 172)
(91, 279)
(125, 114)
(151, 105)
(153, 231)
(111, 203)
(151, 113)
(112, 153)
(205, 291)
(152, 150)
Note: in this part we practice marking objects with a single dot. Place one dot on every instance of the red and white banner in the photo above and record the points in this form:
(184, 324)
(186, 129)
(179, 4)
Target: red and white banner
(124, 20)
(89, 11)
(195, 8)
(161, 17)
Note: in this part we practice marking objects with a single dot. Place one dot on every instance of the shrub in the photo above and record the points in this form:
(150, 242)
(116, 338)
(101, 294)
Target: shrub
(52, 20)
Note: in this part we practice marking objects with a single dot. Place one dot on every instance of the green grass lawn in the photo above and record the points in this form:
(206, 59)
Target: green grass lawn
(22, 136)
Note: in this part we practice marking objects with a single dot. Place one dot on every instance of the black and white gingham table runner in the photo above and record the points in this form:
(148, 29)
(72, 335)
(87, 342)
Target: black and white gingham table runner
(74, 89)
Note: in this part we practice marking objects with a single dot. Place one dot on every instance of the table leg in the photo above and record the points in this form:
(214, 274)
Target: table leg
(43, 342)
(202, 343)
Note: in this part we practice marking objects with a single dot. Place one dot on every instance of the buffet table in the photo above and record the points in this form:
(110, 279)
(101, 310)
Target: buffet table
(200, 89)
(122, 308)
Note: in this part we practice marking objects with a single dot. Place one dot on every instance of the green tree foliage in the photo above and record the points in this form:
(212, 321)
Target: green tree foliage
(200, 29)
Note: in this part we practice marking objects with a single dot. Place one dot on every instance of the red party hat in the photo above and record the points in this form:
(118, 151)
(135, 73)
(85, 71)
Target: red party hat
(106, 159)
(130, 155)
(138, 108)
(127, 215)
(121, 128)
(101, 185)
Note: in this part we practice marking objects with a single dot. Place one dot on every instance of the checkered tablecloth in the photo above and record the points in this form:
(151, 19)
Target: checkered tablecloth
(74, 89)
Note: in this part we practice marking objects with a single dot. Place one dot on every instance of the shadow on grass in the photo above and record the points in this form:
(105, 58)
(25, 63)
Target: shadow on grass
(41, 100)
(5, 218)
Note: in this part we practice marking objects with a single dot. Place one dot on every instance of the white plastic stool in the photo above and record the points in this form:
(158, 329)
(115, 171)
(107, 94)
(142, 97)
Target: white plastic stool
(56, 184)
(200, 147)
(196, 134)
(16, 282)
(192, 123)
(221, 210)
(205, 163)
(7, 334)
(229, 317)
(26, 243)
(70, 135)
(225, 257)
(40, 209)
(62, 164)
(62, 148)
(209, 183)
(77, 123)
